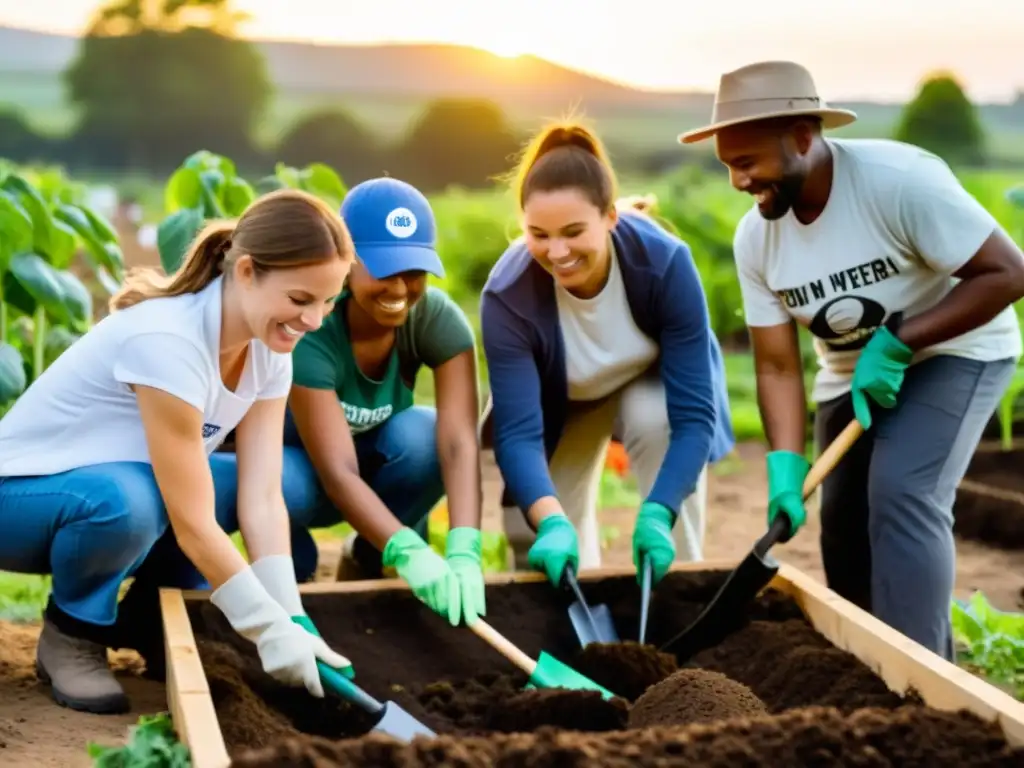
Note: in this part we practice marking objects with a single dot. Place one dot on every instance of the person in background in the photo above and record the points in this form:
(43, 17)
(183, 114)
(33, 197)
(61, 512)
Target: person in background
(107, 463)
(595, 316)
(359, 449)
(905, 282)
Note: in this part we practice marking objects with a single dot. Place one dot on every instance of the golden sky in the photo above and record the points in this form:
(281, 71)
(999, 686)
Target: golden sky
(855, 48)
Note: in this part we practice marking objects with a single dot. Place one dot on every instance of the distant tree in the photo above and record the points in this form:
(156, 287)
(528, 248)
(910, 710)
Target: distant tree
(458, 141)
(336, 138)
(151, 86)
(942, 119)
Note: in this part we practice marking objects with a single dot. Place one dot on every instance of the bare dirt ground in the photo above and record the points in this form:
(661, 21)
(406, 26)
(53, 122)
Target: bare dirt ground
(36, 732)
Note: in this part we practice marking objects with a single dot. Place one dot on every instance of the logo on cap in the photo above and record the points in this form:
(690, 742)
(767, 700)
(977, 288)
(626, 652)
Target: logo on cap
(401, 222)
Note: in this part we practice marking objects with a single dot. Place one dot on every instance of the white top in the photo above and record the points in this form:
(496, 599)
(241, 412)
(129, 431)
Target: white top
(604, 348)
(897, 225)
(81, 411)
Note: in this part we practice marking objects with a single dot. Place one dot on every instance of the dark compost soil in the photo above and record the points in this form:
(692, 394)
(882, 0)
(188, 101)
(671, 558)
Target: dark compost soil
(774, 666)
(990, 501)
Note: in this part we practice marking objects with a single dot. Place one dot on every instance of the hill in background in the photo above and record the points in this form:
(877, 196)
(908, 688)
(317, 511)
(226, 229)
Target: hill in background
(386, 86)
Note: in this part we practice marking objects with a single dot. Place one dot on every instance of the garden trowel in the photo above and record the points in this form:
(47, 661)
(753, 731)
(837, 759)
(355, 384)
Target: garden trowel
(757, 569)
(393, 720)
(593, 624)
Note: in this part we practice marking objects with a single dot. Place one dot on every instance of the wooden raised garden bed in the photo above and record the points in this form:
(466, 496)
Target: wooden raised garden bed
(825, 684)
(990, 499)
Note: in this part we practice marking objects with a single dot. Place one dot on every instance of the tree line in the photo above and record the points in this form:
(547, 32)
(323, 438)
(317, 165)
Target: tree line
(155, 79)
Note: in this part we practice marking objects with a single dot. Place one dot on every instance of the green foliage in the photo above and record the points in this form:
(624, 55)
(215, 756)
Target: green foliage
(943, 120)
(990, 642)
(44, 224)
(207, 187)
(152, 743)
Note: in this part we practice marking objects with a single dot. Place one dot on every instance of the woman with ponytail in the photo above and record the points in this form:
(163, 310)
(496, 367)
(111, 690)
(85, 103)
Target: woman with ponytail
(595, 322)
(107, 463)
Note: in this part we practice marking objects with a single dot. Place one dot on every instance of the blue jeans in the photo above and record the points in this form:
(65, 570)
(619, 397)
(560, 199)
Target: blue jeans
(93, 527)
(398, 460)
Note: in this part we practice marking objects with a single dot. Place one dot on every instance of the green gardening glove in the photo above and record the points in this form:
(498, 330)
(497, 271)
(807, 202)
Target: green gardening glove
(786, 474)
(463, 554)
(428, 574)
(652, 537)
(878, 373)
(556, 546)
(307, 624)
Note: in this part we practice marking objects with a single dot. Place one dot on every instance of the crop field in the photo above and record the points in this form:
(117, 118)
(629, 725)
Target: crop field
(62, 256)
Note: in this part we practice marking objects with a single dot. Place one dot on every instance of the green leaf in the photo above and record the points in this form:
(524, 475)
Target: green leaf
(15, 226)
(174, 235)
(183, 190)
(103, 252)
(58, 339)
(212, 183)
(1016, 196)
(289, 176)
(237, 195)
(13, 380)
(61, 294)
(269, 184)
(104, 229)
(17, 297)
(204, 160)
(37, 208)
(63, 244)
(323, 181)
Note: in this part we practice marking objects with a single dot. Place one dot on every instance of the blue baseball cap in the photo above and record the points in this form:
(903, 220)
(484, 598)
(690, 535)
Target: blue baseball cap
(392, 227)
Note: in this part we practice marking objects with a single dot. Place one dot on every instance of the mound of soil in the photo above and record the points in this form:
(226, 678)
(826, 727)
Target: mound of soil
(989, 503)
(694, 696)
(455, 683)
(911, 737)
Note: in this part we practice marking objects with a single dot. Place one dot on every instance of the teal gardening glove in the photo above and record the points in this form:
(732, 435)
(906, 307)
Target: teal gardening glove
(786, 474)
(428, 575)
(652, 538)
(556, 547)
(878, 373)
(277, 575)
(463, 552)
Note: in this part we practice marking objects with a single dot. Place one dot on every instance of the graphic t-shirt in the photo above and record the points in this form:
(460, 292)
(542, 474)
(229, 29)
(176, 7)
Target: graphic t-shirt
(604, 348)
(82, 411)
(436, 331)
(897, 225)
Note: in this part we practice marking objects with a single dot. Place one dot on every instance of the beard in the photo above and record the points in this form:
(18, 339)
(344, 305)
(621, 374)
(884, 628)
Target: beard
(780, 197)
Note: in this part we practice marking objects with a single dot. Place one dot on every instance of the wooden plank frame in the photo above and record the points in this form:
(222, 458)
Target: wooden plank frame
(899, 661)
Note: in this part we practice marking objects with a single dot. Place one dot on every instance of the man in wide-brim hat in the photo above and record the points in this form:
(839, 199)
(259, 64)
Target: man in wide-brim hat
(905, 283)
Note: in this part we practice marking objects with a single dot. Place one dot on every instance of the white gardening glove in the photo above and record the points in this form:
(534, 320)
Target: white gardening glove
(277, 575)
(287, 651)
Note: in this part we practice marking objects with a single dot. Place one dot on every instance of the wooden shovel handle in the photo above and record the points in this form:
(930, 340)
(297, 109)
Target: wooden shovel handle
(831, 456)
(504, 647)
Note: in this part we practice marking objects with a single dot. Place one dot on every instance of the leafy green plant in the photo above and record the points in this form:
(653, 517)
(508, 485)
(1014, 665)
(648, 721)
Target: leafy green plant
(990, 642)
(152, 743)
(1006, 411)
(44, 224)
(207, 187)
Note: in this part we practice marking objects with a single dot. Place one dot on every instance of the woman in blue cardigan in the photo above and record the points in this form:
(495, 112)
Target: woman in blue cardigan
(596, 321)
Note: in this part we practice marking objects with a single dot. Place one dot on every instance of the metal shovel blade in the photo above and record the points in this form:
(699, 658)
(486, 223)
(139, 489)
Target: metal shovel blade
(400, 724)
(394, 721)
(645, 599)
(593, 624)
(742, 586)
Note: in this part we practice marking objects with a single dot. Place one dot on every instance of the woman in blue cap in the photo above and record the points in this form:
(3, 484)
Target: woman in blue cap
(360, 450)
(597, 316)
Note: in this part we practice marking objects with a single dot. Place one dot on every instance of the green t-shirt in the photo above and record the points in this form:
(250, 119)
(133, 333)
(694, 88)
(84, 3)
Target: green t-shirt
(436, 331)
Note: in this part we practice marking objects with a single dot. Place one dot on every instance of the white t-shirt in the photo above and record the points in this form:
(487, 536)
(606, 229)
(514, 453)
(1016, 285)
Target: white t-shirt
(604, 348)
(897, 225)
(81, 411)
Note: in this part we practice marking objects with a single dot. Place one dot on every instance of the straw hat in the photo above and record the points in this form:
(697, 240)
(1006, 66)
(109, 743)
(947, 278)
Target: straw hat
(764, 90)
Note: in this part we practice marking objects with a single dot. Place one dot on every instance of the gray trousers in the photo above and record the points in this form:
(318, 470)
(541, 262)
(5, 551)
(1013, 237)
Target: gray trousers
(887, 507)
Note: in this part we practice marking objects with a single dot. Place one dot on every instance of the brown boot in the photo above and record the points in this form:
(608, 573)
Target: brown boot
(78, 673)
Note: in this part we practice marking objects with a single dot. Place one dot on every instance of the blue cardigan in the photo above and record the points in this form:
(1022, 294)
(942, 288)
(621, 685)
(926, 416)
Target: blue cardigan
(525, 353)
